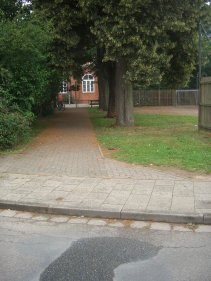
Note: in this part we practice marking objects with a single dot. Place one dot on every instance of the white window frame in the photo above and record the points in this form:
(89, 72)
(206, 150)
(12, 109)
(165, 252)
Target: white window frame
(88, 85)
(64, 87)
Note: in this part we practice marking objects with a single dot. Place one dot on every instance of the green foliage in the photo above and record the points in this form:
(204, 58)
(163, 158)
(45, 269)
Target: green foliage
(156, 38)
(14, 124)
(28, 83)
(14, 128)
(10, 8)
(206, 41)
(23, 52)
(71, 46)
(206, 58)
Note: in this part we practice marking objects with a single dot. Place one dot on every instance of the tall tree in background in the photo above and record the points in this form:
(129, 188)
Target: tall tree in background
(144, 41)
(147, 40)
(74, 43)
(71, 46)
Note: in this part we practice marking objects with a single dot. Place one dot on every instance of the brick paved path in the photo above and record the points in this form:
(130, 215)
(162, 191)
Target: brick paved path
(64, 167)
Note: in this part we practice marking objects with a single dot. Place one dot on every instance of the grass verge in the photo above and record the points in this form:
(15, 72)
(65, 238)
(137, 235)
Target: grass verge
(156, 140)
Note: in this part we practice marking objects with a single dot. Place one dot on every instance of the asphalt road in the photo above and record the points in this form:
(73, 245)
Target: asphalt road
(45, 251)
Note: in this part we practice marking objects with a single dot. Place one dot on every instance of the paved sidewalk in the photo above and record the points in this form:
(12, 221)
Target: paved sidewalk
(63, 171)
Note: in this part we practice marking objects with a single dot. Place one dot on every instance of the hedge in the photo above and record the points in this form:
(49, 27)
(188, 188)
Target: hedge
(14, 129)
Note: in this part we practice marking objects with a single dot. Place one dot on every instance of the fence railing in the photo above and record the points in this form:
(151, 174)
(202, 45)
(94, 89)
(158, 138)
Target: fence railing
(167, 97)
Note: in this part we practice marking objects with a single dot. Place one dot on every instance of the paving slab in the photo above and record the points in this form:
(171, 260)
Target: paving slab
(8, 213)
(40, 218)
(59, 219)
(140, 224)
(160, 226)
(23, 215)
(96, 222)
(78, 220)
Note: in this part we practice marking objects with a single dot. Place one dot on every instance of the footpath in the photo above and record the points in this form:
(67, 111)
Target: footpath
(64, 172)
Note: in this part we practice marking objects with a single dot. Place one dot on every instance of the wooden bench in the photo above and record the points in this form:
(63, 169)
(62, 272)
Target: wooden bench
(93, 102)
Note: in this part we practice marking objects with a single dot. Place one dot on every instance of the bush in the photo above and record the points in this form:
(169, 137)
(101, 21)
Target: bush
(14, 128)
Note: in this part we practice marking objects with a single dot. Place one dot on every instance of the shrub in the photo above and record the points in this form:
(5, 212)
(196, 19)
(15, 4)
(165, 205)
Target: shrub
(14, 128)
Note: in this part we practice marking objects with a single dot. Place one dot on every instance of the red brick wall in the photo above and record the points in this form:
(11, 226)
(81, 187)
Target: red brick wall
(84, 97)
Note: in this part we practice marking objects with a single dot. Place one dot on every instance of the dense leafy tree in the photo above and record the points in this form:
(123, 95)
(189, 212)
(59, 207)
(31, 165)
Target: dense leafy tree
(28, 84)
(10, 8)
(71, 46)
(142, 41)
(149, 41)
(24, 55)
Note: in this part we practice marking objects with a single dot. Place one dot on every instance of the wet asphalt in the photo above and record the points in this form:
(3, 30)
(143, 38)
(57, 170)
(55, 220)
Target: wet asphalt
(96, 259)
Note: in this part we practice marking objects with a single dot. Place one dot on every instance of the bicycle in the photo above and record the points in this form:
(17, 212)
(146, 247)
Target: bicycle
(60, 106)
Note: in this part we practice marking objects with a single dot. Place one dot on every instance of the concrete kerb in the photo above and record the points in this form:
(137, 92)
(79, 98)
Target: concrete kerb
(207, 218)
(164, 217)
(21, 206)
(108, 214)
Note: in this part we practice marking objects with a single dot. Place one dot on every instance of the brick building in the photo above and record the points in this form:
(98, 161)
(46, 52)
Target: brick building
(86, 90)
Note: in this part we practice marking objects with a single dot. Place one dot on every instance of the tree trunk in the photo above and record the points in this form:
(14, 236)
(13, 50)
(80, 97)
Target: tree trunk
(104, 92)
(102, 81)
(124, 96)
(101, 89)
(105, 95)
(111, 80)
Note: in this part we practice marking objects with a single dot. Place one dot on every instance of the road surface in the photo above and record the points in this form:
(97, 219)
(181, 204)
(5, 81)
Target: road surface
(35, 249)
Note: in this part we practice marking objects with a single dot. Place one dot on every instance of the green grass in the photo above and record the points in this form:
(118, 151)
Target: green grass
(157, 139)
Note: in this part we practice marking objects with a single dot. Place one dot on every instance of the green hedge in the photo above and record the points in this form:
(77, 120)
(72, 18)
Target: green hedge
(14, 128)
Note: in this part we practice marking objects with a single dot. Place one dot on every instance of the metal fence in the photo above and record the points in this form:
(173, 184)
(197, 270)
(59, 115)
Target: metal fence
(167, 97)
(205, 103)
(187, 97)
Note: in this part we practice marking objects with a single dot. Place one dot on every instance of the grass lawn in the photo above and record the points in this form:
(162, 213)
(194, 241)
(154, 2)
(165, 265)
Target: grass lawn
(156, 139)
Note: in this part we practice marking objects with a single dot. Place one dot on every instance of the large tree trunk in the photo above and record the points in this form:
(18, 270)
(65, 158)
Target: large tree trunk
(102, 81)
(105, 95)
(103, 86)
(111, 80)
(124, 96)
(100, 89)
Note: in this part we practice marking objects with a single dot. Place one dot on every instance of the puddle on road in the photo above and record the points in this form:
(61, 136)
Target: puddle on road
(96, 259)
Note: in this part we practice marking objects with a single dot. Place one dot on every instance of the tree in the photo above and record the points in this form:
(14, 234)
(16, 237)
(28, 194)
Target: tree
(147, 40)
(71, 46)
(23, 53)
(141, 41)
(25, 72)
(10, 8)
(27, 83)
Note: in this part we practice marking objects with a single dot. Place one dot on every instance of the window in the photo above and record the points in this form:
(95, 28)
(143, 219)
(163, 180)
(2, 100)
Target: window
(88, 83)
(64, 87)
